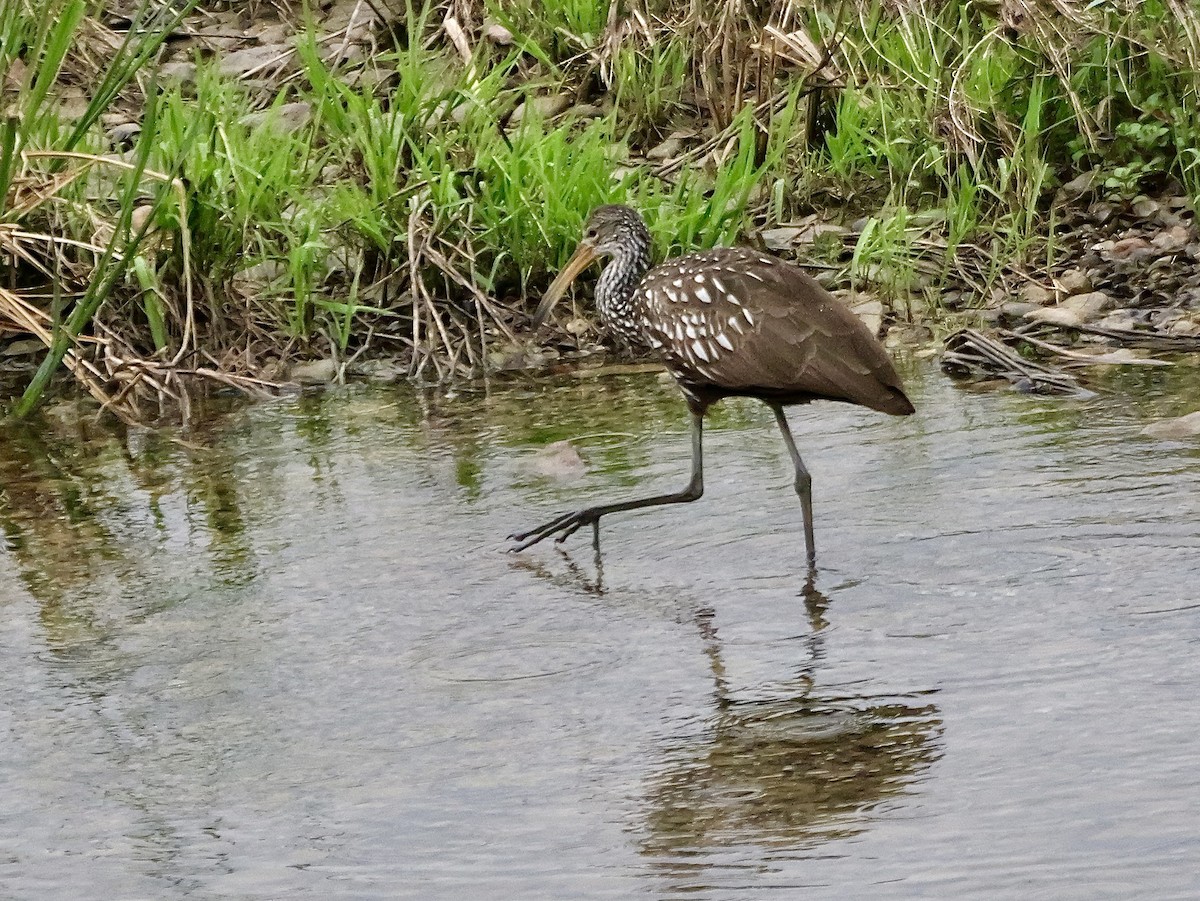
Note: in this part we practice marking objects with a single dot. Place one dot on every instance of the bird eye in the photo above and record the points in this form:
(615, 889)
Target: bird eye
(590, 234)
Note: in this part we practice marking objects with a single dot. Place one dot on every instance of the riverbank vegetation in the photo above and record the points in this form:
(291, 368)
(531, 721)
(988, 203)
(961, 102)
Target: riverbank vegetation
(206, 194)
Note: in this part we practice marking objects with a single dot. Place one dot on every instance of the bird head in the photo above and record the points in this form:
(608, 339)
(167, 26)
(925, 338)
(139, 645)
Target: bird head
(610, 231)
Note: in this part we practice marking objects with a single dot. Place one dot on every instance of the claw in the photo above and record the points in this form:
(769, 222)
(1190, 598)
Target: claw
(568, 524)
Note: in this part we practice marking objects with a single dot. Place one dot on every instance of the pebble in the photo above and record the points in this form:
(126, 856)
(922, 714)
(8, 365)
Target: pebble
(497, 34)
(314, 372)
(286, 118)
(1035, 293)
(545, 105)
(1074, 281)
(241, 62)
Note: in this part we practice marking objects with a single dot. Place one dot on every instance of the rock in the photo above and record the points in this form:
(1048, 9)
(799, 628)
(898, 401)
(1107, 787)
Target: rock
(140, 216)
(1130, 250)
(1121, 320)
(286, 118)
(241, 63)
(666, 150)
(314, 372)
(1144, 207)
(383, 370)
(180, 72)
(1054, 316)
(1175, 429)
(497, 34)
(253, 280)
(1074, 281)
(578, 326)
(780, 238)
(544, 105)
(1088, 306)
(586, 111)
(1080, 184)
(1172, 240)
(1017, 309)
(1035, 293)
(1184, 327)
(125, 133)
(22, 347)
(559, 460)
(867, 308)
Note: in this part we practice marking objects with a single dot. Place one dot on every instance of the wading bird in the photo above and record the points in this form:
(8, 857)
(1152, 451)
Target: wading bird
(727, 322)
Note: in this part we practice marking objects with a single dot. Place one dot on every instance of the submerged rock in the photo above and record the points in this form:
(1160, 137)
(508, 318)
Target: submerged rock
(559, 460)
(1178, 428)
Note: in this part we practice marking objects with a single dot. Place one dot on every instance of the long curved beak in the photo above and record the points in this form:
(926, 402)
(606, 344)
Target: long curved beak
(580, 260)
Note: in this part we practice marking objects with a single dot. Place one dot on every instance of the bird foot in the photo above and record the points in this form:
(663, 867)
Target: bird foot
(567, 524)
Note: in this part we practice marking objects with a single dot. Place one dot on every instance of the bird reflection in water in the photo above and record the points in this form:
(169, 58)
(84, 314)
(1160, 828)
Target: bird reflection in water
(784, 774)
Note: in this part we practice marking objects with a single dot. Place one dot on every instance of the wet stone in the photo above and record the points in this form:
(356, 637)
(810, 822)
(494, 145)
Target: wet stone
(314, 372)
(1175, 429)
(559, 460)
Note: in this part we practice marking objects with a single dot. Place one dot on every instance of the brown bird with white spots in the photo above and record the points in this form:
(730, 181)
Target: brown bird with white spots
(727, 322)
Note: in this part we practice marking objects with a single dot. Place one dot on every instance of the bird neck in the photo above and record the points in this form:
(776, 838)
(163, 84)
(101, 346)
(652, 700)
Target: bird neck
(617, 285)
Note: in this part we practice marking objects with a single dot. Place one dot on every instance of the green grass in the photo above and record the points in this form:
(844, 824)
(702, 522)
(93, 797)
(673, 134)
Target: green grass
(406, 208)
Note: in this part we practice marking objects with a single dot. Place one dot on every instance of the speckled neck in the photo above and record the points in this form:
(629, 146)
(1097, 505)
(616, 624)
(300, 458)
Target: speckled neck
(619, 281)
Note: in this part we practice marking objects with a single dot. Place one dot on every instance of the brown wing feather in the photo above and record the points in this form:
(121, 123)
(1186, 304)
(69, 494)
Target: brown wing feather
(746, 323)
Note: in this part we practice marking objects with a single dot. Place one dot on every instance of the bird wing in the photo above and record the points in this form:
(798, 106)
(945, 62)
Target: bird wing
(747, 323)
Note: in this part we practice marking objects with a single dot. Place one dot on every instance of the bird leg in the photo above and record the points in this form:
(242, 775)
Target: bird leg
(803, 481)
(569, 523)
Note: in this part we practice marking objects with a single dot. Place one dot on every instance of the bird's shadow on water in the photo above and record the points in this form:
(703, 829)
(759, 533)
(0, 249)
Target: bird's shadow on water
(775, 771)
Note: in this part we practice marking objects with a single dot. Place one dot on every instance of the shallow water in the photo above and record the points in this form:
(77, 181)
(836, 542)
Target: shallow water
(288, 656)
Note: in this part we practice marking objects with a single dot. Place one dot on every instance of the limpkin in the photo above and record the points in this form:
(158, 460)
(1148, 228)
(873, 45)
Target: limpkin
(727, 322)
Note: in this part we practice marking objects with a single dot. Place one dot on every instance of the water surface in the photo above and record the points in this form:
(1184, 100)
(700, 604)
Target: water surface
(287, 656)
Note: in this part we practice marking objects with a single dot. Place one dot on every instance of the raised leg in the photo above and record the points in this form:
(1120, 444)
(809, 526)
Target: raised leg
(803, 482)
(568, 523)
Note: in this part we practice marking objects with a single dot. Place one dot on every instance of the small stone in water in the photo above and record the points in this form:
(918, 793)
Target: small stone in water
(559, 460)
(314, 372)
